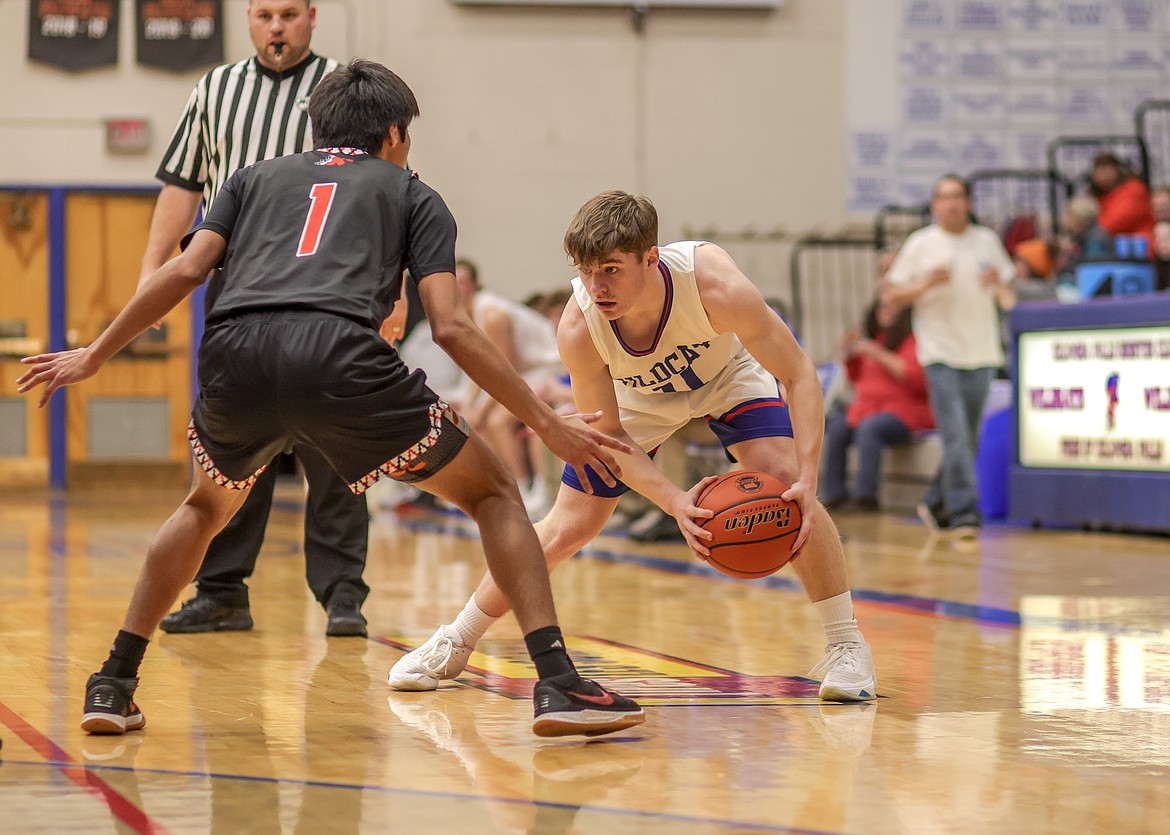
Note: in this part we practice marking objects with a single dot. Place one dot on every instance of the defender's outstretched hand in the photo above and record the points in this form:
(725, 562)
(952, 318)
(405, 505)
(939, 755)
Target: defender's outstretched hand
(56, 370)
(577, 444)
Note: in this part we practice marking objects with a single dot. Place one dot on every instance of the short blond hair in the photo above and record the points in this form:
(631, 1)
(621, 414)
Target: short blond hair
(1083, 210)
(611, 220)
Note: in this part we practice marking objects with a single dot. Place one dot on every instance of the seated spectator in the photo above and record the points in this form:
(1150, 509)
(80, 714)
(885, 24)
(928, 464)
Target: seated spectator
(1123, 199)
(1162, 254)
(1082, 237)
(555, 391)
(1017, 230)
(529, 341)
(889, 405)
(1160, 203)
(1035, 270)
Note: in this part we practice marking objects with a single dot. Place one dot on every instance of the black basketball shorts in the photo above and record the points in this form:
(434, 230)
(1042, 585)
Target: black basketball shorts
(269, 381)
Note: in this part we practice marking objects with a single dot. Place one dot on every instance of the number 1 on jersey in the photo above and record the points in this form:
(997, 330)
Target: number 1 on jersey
(320, 201)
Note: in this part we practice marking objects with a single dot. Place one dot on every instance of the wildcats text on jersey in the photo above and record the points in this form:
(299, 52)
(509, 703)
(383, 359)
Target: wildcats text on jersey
(673, 372)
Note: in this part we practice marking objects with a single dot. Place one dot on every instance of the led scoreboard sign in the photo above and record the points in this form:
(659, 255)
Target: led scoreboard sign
(1095, 399)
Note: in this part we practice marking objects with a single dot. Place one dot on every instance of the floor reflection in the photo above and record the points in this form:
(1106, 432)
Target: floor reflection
(1025, 683)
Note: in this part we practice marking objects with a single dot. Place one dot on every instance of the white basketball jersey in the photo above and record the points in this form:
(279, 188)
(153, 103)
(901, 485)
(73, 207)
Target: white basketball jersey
(535, 335)
(687, 352)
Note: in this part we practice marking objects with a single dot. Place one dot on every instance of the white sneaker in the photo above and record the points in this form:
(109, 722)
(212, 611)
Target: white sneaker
(536, 501)
(440, 658)
(846, 673)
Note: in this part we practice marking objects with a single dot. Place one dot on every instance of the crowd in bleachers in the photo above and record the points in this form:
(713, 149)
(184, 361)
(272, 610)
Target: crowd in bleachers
(1114, 217)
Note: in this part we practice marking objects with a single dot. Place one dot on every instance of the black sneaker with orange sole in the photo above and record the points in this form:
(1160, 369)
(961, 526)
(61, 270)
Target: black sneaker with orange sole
(568, 705)
(109, 706)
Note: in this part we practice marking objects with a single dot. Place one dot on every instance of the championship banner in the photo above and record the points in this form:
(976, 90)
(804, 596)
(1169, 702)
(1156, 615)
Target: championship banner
(73, 35)
(179, 35)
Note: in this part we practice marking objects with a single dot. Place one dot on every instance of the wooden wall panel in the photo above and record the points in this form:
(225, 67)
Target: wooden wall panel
(105, 240)
(24, 296)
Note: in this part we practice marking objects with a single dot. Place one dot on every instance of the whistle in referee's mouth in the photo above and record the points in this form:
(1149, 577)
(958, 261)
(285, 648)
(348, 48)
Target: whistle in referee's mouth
(278, 48)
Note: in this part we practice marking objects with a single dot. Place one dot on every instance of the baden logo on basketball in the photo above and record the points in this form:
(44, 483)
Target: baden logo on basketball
(748, 521)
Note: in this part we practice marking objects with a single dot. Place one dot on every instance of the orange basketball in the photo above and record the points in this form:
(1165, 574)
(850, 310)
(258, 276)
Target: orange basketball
(753, 527)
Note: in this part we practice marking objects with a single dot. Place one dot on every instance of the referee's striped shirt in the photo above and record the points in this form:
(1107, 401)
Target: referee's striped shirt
(239, 114)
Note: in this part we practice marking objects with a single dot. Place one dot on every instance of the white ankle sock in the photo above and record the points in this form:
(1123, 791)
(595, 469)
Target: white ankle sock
(471, 624)
(837, 618)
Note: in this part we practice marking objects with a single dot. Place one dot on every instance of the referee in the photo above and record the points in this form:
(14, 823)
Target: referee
(236, 115)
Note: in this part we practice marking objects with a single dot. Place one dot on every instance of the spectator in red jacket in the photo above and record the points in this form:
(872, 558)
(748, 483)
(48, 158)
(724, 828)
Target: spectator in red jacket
(1124, 200)
(889, 405)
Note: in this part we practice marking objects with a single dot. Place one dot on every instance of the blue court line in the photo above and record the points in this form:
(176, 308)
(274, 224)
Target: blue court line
(438, 795)
(924, 605)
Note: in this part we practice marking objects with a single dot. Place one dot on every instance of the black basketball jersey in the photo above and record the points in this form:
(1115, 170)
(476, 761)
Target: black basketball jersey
(329, 230)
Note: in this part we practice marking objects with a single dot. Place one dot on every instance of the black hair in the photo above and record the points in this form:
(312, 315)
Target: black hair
(355, 106)
(896, 333)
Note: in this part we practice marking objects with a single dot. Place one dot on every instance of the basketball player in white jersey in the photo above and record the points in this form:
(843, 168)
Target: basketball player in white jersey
(529, 341)
(659, 336)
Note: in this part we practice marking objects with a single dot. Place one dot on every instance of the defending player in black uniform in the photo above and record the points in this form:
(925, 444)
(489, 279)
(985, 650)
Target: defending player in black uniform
(313, 247)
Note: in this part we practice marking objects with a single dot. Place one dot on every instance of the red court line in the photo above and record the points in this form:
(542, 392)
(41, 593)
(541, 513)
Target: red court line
(121, 808)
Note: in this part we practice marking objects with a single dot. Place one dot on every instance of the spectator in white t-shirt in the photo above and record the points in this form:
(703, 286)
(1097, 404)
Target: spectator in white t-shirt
(957, 276)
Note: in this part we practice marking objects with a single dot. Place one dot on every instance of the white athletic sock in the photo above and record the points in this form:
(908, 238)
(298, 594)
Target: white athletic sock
(470, 625)
(837, 619)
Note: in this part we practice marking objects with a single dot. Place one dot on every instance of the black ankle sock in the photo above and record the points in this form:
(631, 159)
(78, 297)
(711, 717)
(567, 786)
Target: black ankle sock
(546, 647)
(125, 655)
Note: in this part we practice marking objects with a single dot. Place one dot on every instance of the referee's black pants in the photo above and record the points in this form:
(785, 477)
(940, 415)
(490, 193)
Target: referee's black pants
(337, 527)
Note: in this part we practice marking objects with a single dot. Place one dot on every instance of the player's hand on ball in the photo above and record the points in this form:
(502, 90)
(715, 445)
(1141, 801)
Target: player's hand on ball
(685, 510)
(807, 499)
(55, 371)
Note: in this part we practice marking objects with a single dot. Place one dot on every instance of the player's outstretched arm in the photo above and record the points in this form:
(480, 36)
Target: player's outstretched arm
(593, 393)
(570, 438)
(174, 212)
(734, 304)
(173, 282)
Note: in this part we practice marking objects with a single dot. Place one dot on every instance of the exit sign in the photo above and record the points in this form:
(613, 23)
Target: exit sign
(127, 136)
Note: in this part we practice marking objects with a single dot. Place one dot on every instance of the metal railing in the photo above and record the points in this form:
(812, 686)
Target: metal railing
(1000, 196)
(1152, 124)
(893, 224)
(1071, 157)
(833, 283)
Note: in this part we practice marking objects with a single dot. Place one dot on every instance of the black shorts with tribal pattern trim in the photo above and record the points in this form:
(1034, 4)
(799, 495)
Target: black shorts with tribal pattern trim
(271, 380)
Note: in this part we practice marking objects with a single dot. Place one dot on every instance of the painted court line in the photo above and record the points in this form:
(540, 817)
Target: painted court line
(932, 606)
(437, 795)
(81, 776)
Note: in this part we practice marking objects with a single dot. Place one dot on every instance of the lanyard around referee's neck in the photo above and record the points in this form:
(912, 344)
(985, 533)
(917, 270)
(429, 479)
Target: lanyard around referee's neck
(280, 75)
